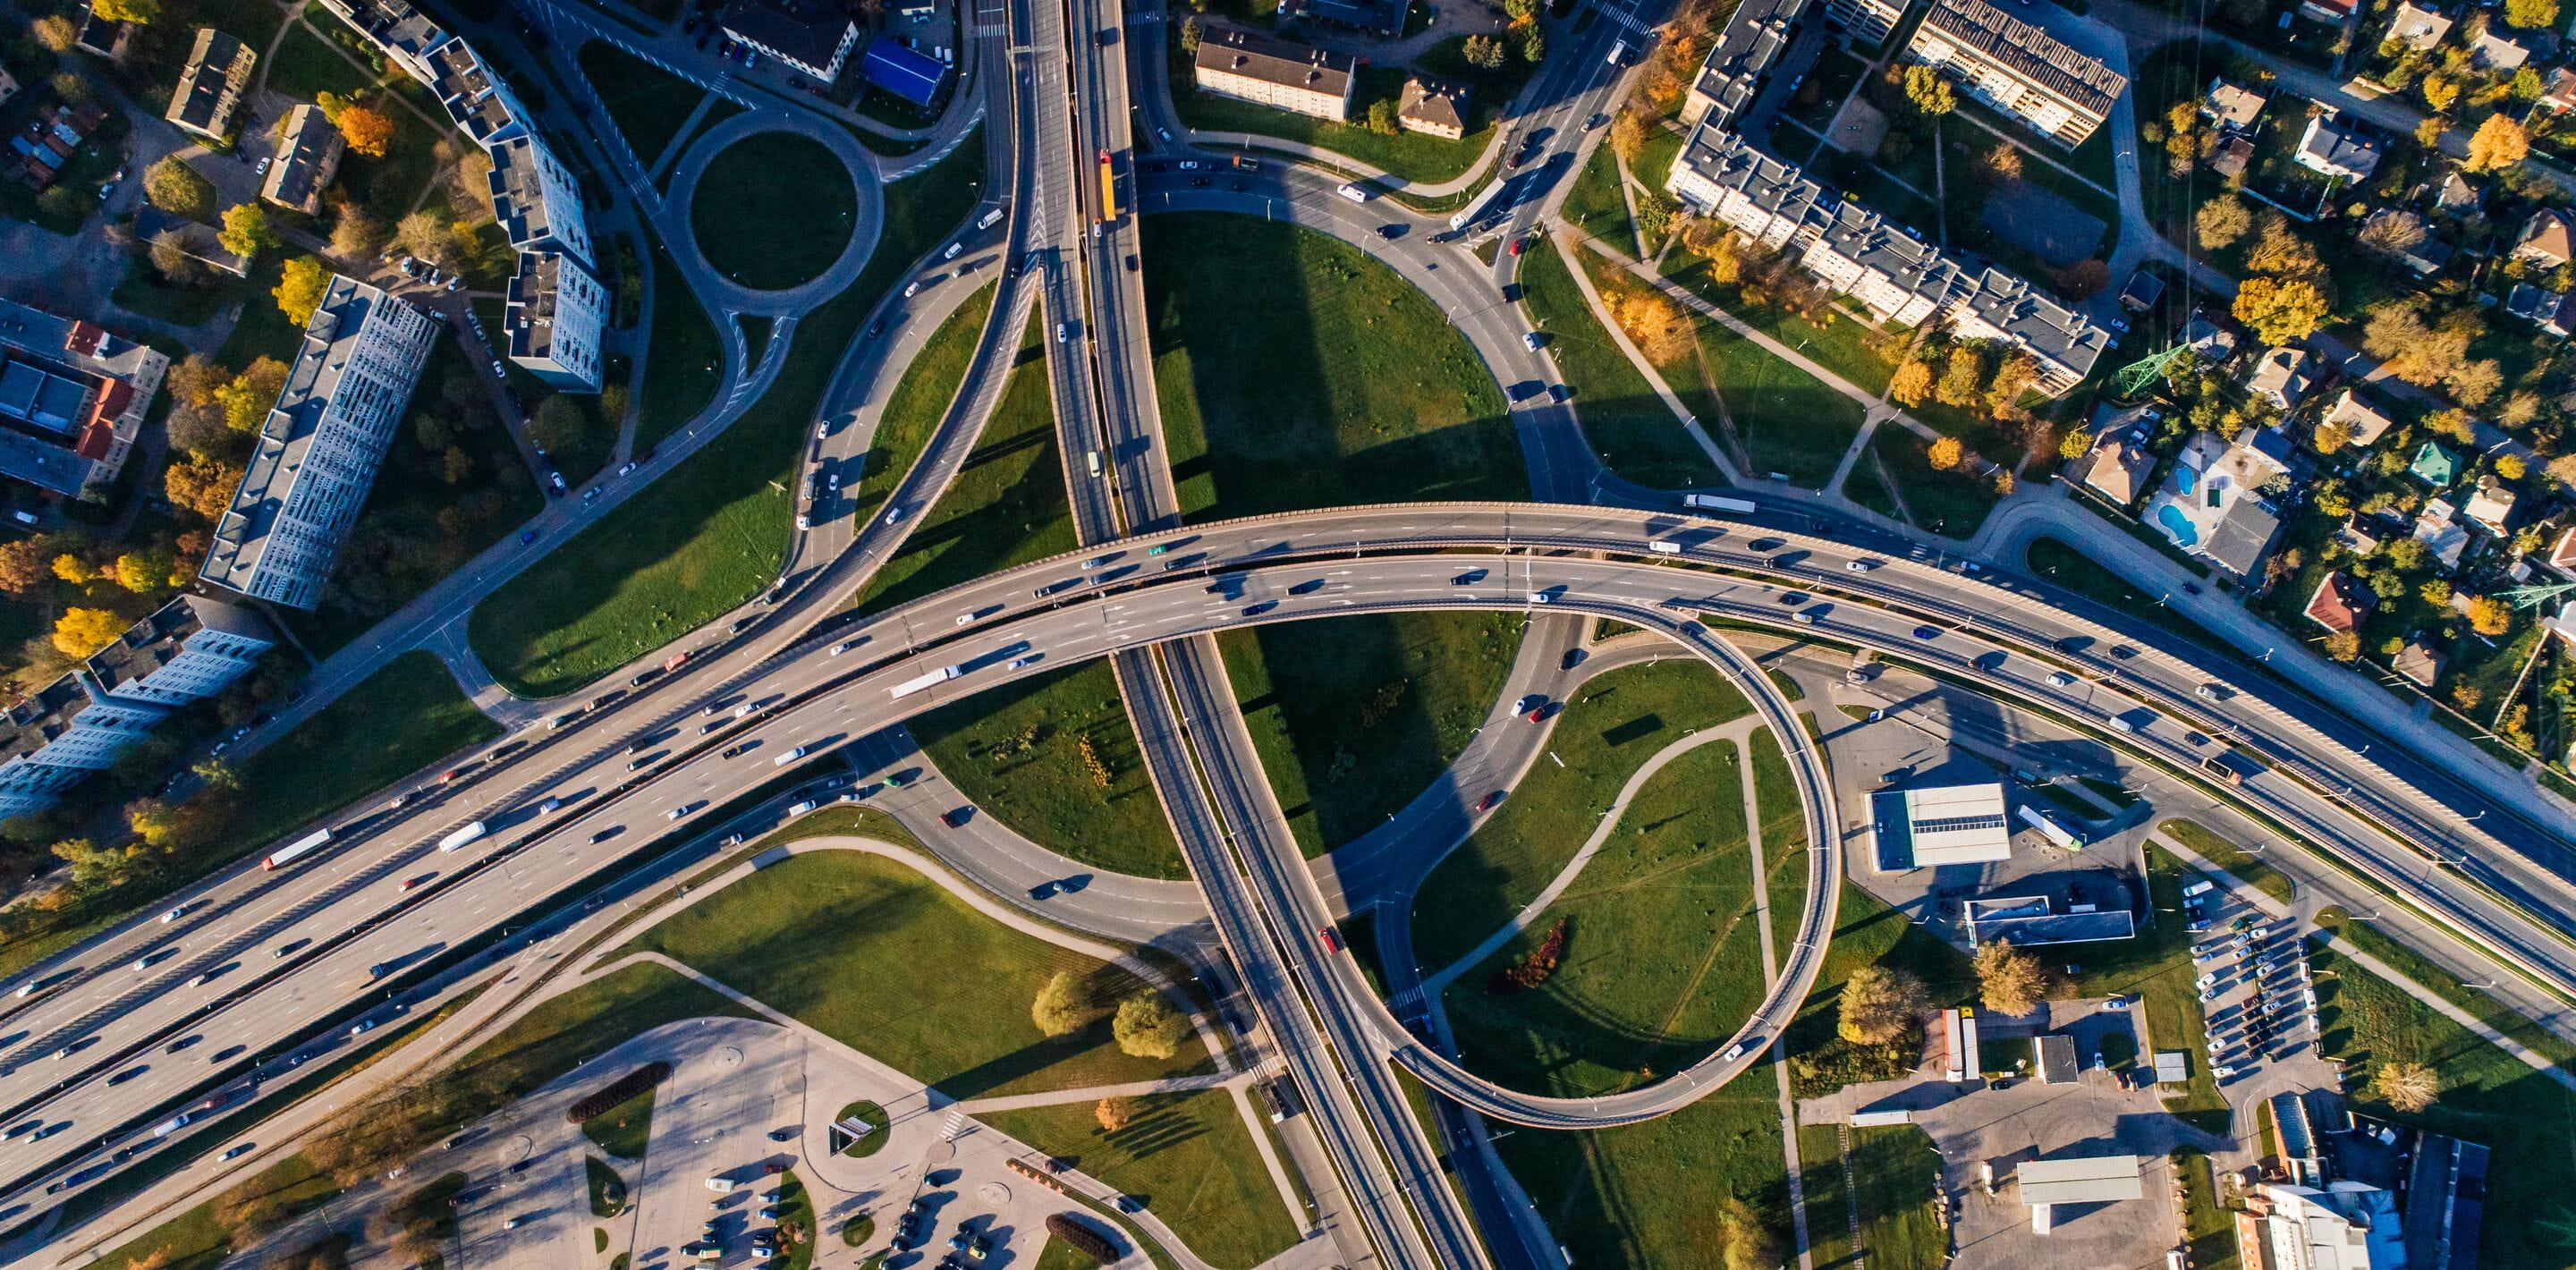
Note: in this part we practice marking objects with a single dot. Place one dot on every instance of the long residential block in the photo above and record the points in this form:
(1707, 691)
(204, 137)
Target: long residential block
(2018, 68)
(321, 445)
(187, 650)
(556, 313)
(211, 85)
(1754, 37)
(55, 736)
(1236, 63)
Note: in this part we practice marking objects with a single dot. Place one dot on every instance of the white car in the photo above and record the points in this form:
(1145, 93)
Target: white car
(843, 647)
(1860, 566)
(2222, 1071)
(173, 915)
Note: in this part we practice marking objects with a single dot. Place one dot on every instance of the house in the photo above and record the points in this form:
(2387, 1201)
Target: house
(2208, 338)
(2232, 107)
(1288, 76)
(2420, 660)
(804, 35)
(103, 37)
(2435, 466)
(2438, 527)
(2356, 537)
(2490, 505)
(210, 87)
(2539, 306)
(2418, 26)
(52, 136)
(2363, 423)
(2232, 157)
(307, 156)
(1754, 38)
(2562, 553)
(2118, 467)
(2142, 291)
(2456, 198)
(2017, 67)
(2548, 239)
(1433, 106)
(2347, 1226)
(2559, 92)
(72, 399)
(2212, 504)
(2493, 52)
(2281, 376)
(2340, 604)
(2425, 256)
(2336, 150)
(2331, 12)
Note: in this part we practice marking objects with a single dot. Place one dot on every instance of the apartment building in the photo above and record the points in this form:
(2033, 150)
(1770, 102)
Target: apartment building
(187, 650)
(61, 733)
(2018, 68)
(1902, 279)
(306, 159)
(211, 85)
(1277, 73)
(812, 38)
(320, 446)
(1868, 21)
(557, 310)
(72, 399)
(478, 101)
(1754, 38)
(404, 33)
(536, 199)
(1433, 106)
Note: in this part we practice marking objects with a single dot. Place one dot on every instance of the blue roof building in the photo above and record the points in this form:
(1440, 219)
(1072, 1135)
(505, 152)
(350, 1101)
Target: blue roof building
(907, 73)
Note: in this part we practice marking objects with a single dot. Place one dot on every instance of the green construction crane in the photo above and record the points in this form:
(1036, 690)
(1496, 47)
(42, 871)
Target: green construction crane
(2134, 377)
(2532, 597)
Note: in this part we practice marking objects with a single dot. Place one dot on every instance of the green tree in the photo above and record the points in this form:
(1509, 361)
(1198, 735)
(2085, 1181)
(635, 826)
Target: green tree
(178, 189)
(247, 398)
(1961, 378)
(560, 424)
(1928, 91)
(1148, 1027)
(1483, 52)
(246, 231)
(300, 288)
(1064, 1006)
(2530, 15)
(2009, 981)
(1533, 47)
(1381, 118)
(2221, 221)
(1880, 1005)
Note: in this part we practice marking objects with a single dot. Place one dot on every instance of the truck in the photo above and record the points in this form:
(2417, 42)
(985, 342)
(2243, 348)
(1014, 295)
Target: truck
(675, 661)
(2052, 827)
(463, 836)
(1108, 188)
(2221, 769)
(934, 678)
(1476, 210)
(1353, 191)
(1716, 503)
(989, 219)
(296, 850)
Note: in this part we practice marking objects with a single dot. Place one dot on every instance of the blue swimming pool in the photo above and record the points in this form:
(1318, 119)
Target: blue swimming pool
(2177, 524)
(2184, 479)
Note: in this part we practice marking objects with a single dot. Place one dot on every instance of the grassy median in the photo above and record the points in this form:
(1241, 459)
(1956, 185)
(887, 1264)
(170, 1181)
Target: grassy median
(345, 752)
(1056, 759)
(1189, 1156)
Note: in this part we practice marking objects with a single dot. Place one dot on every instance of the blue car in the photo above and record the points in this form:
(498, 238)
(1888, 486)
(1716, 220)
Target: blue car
(528, 537)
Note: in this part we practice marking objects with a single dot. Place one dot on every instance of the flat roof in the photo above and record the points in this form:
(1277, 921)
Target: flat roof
(1958, 824)
(2057, 1064)
(2093, 1180)
(907, 73)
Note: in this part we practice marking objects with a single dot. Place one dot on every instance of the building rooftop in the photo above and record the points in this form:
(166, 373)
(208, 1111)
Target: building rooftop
(1754, 37)
(150, 644)
(530, 315)
(907, 73)
(2339, 604)
(1285, 63)
(518, 191)
(33, 721)
(2030, 52)
(218, 69)
(305, 160)
(2056, 1059)
(807, 32)
(2096, 1180)
(2329, 146)
(2233, 105)
(1433, 103)
(1958, 824)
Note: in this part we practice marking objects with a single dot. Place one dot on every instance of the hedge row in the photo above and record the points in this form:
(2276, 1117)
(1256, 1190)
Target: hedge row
(623, 1088)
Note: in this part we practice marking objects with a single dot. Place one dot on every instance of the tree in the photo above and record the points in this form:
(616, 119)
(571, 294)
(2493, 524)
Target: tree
(170, 259)
(1961, 378)
(1656, 323)
(2221, 221)
(2409, 1087)
(2499, 143)
(73, 568)
(2004, 162)
(81, 631)
(2017, 373)
(1147, 1027)
(300, 288)
(142, 11)
(2490, 616)
(1745, 1241)
(1947, 454)
(2009, 981)
(1533, 48)
(1114, 1113)
(1628, 134)
(559, 425)
(1483, 52)
(2476, 381)
(2280, 252)
(57, 33)
(2530, 15)
(145, 570)
(368, 132)
(1381, 118)
(424, 235)
(23, 567)
(2510, 467)
(1065, 1005)
(1192, 31)
(246, 231)
(2074, 444)
(1912, 385)
(178, 189)
(2343, 646)
(2439, 92)
(2332, 435)
(2392, 232)
(1880, 1005)
(74, 89)
(247, 398)
(202, 484)
(356, 233)
(2280, 311)
(1928, 91)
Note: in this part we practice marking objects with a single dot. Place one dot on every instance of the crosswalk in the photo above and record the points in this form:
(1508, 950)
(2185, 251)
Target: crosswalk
(954, 1126)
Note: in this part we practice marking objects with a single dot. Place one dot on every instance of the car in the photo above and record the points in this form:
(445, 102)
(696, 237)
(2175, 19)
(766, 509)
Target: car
(2061, 679)
(607, 833)
(1490, 801)
(956, 816)
(789, 757)
(1189, 165)
(1859, 566)
(768, 1213)
(527, 537)
(513, 1223)
(1926, 632)
(1163, 133)
(182, 1043)
(556, 480)
(912, 288)
(1532, 341)
(1520, 245)
(362, 1027)
(1021, 663)
(2222, 1071)
(1512, 162)
(1042, 890)
(236, 1152)
(173, 915)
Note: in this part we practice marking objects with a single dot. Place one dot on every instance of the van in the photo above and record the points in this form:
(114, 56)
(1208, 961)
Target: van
(803, 807)
(990, 219)
(1664, 547)
(2198, 888)
(953, 249)
(1091, 458)
(2124, 724)
(1619, 53)
(721, 1185)
(1355, 193)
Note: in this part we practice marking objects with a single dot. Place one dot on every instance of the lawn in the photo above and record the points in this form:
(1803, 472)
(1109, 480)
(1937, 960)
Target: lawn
(1189, 1156)
(781, 210)
(2495, 1014)
(1828, 1195)
(2487, 1096)
(2224, 854)
(1023, 754)
(193, 1240)
(623, 1130)
(1007, 505)
(607, 1189)
(1343, 385)
(683, 355)
(1611, 728)
(796, 1208)
(1896, 1176)
(2210, 1229)
(872, 1115)
(1792, 424)
(329, 760)
(838, 939)
(1835, 341)
(1662, 955)
(650, 105)
(1867, 932)
(1595, 204)
(711, 534)
(1354, 717)
(1656, 1194)
(2065, 566)
(1784, 840)
(1623, 419)
(307, 64)
(1952, 504)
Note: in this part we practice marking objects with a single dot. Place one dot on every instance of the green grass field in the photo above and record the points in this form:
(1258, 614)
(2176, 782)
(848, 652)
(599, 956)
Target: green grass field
(1306, 689)
(683, 356)
(1611, 728)
(1342, 385)
(847, 942)
(2209, 1228)
(1790, 421)
(1827, 1187)
(306, 65)
(1623, 419)
(648, 104)
(2495, 1014)
(345, 752)
(1662, 959)
(193, 1240)
(2223, 854)
(1867, 932)
(1653, 1195)
(623, 1130)
(1017, 753)
(1007, 505)
(711, 534)
(1595, 204)
(2487, 1096)
(1784, 841)
(1951, 504)
(1190, 1157)
(780, 209)
(607, 1189)
(1896, 1176)
(919, 402)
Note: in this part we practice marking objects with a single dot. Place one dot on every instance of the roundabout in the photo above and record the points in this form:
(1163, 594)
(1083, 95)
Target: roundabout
(773, 215)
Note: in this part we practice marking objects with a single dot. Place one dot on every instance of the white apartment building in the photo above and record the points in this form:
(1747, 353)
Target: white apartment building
(1768, 201)
(406, 36)
(556, 313)
(2018, 68)
(52, 738)
(1277, 73)
(1870, 21)
(536, 198)
(1755, 36)
(187, 650)
(478, 100)
(319, 449)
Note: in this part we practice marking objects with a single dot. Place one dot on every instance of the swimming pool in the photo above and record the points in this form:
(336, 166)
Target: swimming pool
(2184, 479)
(2177, 524)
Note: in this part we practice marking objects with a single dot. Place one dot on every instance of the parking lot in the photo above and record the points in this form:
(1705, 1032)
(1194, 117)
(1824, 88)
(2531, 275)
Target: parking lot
(2254, 986)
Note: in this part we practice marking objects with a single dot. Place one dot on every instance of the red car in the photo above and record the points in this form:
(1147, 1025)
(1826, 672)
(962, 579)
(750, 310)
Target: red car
(1518, 244)
(1490, 801)
(1332, 939)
